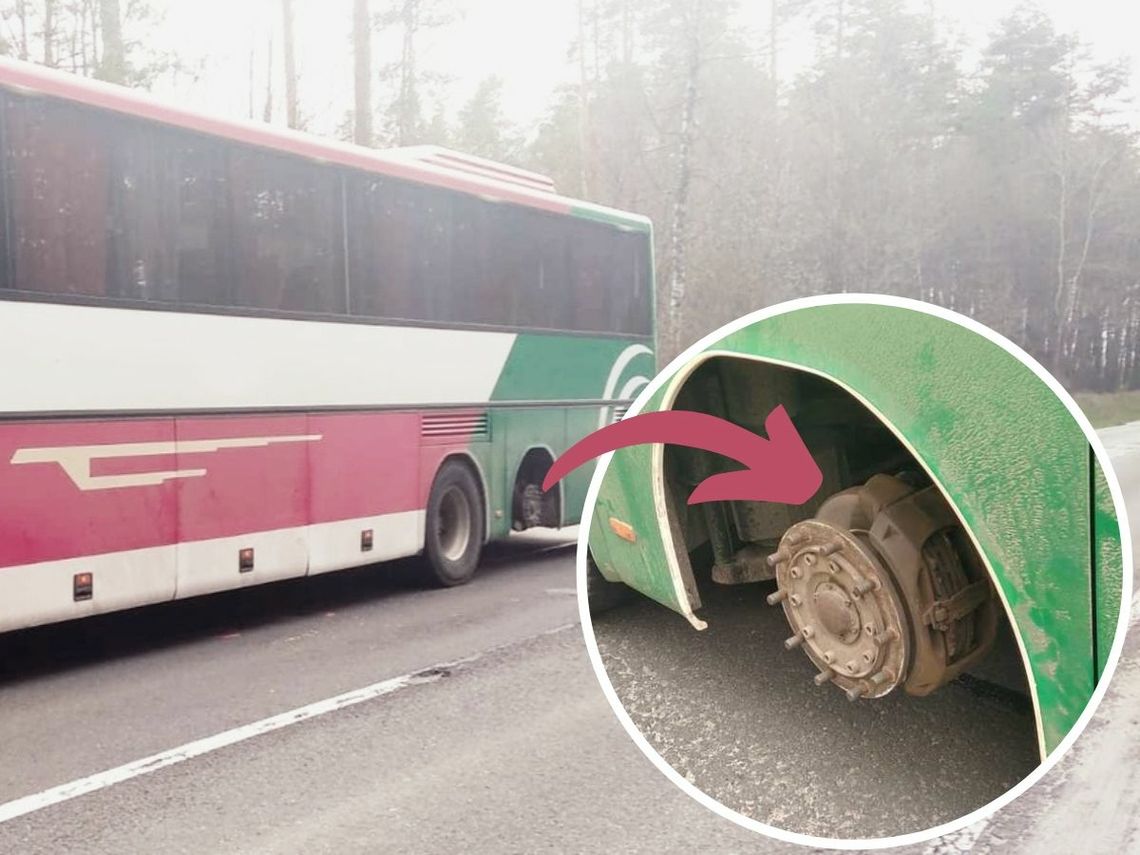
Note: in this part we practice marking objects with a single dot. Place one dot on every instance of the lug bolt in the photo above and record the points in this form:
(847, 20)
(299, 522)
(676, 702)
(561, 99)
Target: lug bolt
(882, 677)
(855, 693)
(830, 549)
(824, 676)
(778, 597)
(793, 642)
(778, 556)
(890, 634)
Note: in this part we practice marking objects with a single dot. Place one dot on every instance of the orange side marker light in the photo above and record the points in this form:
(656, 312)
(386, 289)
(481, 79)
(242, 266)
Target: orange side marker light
(623, 530)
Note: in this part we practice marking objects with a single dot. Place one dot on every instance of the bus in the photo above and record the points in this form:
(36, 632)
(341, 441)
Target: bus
(232, 354)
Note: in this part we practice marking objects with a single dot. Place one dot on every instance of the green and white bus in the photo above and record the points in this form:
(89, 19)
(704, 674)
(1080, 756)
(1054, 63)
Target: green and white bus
(235, 353)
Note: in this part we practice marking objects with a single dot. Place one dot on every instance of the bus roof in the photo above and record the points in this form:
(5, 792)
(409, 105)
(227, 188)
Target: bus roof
(431, 165)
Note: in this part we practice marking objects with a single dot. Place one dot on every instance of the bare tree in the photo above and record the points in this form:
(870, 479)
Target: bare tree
(292, 105)
(362, 72)
(113, 64)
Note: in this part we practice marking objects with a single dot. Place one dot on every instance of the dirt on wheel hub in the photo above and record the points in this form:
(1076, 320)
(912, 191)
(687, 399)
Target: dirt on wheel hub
(882, 589)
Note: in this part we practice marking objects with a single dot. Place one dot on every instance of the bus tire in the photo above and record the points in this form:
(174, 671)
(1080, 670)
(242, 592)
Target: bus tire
(453, 537)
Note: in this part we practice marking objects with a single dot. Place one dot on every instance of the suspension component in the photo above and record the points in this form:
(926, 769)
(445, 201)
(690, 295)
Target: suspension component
(883, 589)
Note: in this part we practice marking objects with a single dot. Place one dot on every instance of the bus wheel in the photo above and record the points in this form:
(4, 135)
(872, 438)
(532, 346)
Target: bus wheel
(455, 523)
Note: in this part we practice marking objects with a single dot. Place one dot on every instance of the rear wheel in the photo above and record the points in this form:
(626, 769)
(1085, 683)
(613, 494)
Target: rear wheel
(453, 540)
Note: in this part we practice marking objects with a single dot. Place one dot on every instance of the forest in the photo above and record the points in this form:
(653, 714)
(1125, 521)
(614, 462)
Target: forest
(999, 178)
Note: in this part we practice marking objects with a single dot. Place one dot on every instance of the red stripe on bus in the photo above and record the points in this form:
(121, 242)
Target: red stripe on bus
(59, 497)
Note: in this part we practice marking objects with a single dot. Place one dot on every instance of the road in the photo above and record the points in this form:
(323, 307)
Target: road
(502, 744)
(514, 750)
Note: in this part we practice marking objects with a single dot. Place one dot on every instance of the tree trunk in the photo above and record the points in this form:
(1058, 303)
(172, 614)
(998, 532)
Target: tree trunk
(267, 112)
(49, 33)
(113, 64)
(292, 107)
(406, 114)
(677, 234)
(22, 14)
(362, 73)
(583, 103)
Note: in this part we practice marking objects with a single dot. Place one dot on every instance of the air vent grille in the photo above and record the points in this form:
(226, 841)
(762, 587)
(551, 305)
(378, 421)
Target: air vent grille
(454, 424)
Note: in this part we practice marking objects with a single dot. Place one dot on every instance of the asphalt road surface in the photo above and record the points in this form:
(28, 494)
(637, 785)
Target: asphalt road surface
(481, 729)
(507, 745)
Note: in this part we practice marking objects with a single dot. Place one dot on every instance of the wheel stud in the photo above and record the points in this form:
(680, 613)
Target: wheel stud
(777, 597)
(890, 634)
(882, 677)
(824, 676)
(777, 557)
(793, 642)
(856, 692)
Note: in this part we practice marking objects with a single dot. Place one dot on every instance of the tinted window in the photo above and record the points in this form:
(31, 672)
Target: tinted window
(285, 227)
(57, 177)
(399, 251)
(5, 259)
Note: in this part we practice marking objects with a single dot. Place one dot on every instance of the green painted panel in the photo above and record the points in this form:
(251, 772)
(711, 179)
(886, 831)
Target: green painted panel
(562, 369)
(1108, 572)
(568, 367)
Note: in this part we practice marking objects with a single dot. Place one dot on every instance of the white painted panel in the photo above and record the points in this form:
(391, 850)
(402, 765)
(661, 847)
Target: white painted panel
(76, 358)
(32, 594)
(333, 546)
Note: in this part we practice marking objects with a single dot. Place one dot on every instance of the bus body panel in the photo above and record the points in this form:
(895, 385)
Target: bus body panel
(1004, 448)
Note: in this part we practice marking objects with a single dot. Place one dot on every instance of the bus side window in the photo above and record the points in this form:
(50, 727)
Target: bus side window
(5, 222)
(286, 233)
(552, 299)
(196, 198)
(590, 276)
(141, 264)
(515, 264)
(56, 160)
(477, 248)
(431, 284)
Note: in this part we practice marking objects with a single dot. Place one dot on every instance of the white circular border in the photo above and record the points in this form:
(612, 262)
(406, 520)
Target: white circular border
(1008, 796)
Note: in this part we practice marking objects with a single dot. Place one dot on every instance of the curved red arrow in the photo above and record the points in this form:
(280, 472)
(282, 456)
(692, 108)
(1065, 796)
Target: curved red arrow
(777, 469)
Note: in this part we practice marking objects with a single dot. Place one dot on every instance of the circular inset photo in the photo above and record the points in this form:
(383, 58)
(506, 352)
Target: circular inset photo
(853, 575)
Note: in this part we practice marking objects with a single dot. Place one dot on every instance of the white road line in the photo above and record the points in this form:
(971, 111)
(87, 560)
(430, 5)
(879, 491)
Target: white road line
(110, 777)
(101, 780)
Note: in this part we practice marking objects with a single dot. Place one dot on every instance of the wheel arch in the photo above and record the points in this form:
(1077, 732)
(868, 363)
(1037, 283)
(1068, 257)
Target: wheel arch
(535, 451)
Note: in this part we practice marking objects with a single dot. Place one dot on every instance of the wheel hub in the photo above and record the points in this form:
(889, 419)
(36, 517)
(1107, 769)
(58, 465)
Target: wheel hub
(841, 603)
(877, 593)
